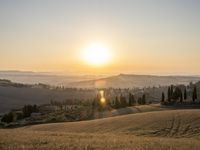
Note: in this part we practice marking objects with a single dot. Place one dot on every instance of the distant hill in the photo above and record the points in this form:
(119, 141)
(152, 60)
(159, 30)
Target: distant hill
(16, 95)
(95, 81)
(29, 77)
(130, 81)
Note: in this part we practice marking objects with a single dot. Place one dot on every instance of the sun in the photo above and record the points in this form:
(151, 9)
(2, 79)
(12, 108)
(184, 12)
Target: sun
(97, 54)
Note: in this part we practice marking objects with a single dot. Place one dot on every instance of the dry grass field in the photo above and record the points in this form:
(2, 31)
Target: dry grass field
(159, 130)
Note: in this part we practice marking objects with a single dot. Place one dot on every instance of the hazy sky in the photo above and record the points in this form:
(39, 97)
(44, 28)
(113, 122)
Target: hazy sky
(145, 36)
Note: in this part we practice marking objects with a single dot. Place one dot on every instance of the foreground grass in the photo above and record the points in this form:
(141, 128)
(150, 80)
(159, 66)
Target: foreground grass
(19, 139)
(160, 130)
(170, 123)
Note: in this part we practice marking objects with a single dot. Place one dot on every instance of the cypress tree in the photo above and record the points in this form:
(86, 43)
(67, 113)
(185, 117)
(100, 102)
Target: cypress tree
(171, 91)
(195, 92)
(130, 99)
(123, 101)
(181, 96)
(169, 94)
(133, 100)
(185, 94)
(144, 99)
(117, 103)
(163, 97)
(194, 95)
(140, 101)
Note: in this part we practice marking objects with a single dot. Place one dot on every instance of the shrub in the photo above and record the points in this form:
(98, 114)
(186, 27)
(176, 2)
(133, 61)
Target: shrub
(8, 117)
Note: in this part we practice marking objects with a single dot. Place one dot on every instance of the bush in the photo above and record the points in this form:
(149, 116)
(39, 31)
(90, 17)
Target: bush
(28, 109)
(142, 100)
(7, 118)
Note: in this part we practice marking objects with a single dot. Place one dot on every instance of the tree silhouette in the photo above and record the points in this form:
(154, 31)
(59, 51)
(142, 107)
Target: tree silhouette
(194, 95)
(169, 94)
(163, 97)
(185, 94)
(123, 101)
(117, 103)
(181, 96)
(8, 117)
(143, 99)
(140, 101)
(177, 94)
(131, 99)
(171, 90)
(28, 109)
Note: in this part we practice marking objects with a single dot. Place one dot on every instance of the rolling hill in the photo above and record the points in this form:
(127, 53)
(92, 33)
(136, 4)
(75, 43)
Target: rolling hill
(12, 96)
(170, 129)
(177, 123)
(29, 77)
(95, 81)
(16, 97)
(130, 81)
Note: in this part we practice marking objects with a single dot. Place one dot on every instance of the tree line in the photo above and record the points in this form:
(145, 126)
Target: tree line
(119, 102)
(27, 110)
(175, 94)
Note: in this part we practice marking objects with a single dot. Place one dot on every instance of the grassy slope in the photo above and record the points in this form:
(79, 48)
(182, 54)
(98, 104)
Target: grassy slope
(170, 129)
(162, 123)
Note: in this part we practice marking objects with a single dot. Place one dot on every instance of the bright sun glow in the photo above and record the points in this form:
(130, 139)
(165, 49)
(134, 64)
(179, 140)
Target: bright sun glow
(102, 100)
(97, 54)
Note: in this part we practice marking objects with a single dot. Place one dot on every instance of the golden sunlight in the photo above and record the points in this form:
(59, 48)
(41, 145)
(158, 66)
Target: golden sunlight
(102, 100)
(97, 54)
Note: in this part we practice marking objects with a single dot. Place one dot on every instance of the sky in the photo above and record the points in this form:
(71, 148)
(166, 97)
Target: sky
(144, 36)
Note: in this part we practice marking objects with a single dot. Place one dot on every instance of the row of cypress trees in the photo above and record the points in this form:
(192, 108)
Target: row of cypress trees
(175, 93)
(119, 102)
